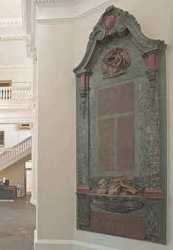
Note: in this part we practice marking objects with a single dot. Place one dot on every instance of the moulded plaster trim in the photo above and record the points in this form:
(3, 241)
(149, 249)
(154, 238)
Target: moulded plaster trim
(49, 1)
(17, 107)
(29, 11)
(10, 21)
(16, 37)
(14, 120)
(35, 235)
(55, 20)
(15, 67)
(74, 15)
(33, 202)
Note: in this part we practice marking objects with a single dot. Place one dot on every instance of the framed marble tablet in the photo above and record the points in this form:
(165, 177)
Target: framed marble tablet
(121, 131)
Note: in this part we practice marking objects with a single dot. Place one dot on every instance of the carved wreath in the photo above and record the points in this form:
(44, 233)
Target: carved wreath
(115, 62)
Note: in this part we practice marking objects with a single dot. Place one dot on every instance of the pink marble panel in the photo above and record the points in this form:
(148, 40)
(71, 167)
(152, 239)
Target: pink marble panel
(106, 143)
(116, 99)
(125, 143)
(118, 224)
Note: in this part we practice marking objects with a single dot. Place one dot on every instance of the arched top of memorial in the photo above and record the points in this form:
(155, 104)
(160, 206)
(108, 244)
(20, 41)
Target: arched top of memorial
(115, 23)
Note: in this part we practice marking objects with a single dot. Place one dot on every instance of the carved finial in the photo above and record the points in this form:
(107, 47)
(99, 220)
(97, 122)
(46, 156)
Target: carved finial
(110, 9)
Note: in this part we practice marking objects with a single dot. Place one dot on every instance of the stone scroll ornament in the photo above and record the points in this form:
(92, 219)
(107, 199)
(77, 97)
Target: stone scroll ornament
(121, 131)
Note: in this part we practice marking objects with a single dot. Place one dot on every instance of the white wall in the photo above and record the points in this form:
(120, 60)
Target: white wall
(29, 174)
(14, 135)
(56, 118)
(16, 174)
(15, 65)
(16, 53)
(61, 46)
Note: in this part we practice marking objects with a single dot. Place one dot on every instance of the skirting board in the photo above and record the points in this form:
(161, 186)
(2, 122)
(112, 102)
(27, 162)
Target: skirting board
(6, 200)
(46, 244)
(67, 245)
(52, 245)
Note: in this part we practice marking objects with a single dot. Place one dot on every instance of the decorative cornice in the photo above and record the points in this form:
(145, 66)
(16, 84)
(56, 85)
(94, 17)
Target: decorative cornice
(55, 20)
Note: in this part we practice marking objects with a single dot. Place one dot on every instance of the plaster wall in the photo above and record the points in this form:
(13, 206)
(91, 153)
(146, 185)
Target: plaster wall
(16, 52)
(15, 65)
(14, 135)
(56, 126)
(10, 9)
(16, 174)
(18, 115)
(29, 174)
(61, 46)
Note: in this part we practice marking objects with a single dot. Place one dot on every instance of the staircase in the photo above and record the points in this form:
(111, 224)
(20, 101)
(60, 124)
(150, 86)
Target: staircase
(15, 153)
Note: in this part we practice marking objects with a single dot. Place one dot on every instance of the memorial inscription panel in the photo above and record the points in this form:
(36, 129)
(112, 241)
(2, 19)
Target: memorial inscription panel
(121, 131)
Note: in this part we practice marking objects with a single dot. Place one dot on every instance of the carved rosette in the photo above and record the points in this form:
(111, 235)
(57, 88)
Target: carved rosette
(115, 62)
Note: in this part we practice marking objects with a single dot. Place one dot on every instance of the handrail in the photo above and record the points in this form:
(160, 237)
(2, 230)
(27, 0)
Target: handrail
(16, 153)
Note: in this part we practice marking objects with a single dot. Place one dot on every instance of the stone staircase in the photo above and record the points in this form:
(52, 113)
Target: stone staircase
(16, 153)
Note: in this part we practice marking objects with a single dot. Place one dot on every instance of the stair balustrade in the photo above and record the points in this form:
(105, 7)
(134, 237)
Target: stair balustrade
(15, 153)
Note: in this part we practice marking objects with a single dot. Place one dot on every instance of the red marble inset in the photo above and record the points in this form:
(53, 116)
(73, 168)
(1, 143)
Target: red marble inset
(105, 144)
(153, 192)
(126, 225)
(110, 21)
(125, 143)
(83, 189)
(116, 99)
(84, 82)
(152, 61)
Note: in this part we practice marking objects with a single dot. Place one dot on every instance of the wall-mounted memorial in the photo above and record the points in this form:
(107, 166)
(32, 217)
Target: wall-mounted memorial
(121, 131)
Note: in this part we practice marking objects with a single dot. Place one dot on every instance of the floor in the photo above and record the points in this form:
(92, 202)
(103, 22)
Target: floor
(17, 221)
